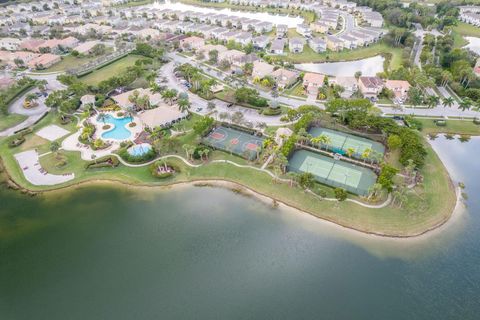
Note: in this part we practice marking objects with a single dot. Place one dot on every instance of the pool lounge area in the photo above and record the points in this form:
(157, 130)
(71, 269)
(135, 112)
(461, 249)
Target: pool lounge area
(118, 131)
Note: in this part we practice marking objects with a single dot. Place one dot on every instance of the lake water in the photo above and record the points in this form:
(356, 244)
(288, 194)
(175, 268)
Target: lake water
(473, 44)
(368, 67)
(292, 22)
(106, 252)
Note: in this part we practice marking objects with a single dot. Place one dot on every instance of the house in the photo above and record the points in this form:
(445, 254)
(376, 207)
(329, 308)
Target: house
(282, 30)
(304, 30)
(244, 38)
(86, 47)
(334, 43)
(399, 88)
(232, 56)
(295, 45)
(277, 46)
(10, 44)
(260, 42)
(261, 69)
(374, 18)
(319, 27)
(206, 49)
(284, 78)
(312, 82)
(370, 87)
(44, 61)
(123, 100)
(317, 44)
(349, 84)
(192, 43)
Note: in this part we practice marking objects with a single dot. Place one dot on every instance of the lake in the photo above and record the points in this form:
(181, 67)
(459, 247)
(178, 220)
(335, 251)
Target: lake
(473, 44)
(368, 67)
(112, 252)
(290, 21)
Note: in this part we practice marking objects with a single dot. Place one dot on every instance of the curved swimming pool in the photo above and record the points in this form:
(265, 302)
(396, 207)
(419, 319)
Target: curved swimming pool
(119, 131)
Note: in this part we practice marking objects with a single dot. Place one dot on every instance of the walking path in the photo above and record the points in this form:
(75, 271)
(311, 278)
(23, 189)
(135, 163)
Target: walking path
(35, 174)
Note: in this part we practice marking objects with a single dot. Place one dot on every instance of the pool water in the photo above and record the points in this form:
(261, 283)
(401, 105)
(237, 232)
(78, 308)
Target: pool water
(119, 131)
(139, 149)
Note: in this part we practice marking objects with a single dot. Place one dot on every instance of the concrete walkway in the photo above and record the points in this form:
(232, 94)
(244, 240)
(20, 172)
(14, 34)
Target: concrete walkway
(35, 174)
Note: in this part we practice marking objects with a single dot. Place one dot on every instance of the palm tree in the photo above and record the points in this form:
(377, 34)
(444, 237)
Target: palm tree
(465, 104)
(206, 151)
(448, 102)
(54, 147)
(366, 154)
(282, 161)
(432, 101)
(183, 105)
(102, 117)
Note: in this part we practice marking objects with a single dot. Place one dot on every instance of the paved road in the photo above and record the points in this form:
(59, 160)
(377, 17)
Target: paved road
(36, 113)
(250, 115)
(293, 103)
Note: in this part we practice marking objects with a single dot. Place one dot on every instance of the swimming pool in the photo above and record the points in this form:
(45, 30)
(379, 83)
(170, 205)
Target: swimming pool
(119, 131)
(139, 149)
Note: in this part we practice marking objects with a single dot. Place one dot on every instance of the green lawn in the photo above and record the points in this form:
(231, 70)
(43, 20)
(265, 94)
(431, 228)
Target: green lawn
(466, 29)
(68, 62)
(10, 120)
(296, 90)
(428, 206)
(453, 126)
(110, 70)
(308, 55)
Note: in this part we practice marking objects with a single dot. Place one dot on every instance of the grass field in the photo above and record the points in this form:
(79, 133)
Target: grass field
(453, 127)
(464, 30)
(110, 70)
(10, 120)
(308, 55)
(67, 62)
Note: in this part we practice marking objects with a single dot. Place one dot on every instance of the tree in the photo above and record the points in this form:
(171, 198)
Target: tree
(306, 180)
(102, 117)
(213, 56)
(187, 149)
(340, 194)
(386, 177)
(54, 147)
(394, 142)
(211, 106)
(465, 104)
(448, 102)
(237, 117)
(433, 101)
(183, 104)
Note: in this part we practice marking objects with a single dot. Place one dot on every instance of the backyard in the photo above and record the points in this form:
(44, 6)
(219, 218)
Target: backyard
(67, 62)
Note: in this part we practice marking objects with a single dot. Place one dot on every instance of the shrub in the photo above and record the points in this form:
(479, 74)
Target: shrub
(147, 156)
(340, 194)
(106, 127)
(107, 161)
(163, 175)
(132, 124)
(271, 112)
(441, 123)
(16, 142)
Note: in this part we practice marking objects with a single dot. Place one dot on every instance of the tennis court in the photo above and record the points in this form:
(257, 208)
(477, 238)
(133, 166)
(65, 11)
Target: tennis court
(235, 141)
(335, 173)
(340, 142)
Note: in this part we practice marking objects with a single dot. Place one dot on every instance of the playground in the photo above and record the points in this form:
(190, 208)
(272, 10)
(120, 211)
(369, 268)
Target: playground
(335, 173)
(340, 142)
(234, 141)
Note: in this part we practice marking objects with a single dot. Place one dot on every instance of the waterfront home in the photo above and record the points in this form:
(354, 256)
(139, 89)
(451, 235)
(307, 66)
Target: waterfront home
(284, 78)
(10, 44)
(295, 45)
(317, 44)
(399, 88)
(282, 30)
(370, 87)
(277, 46)
(471, 18)
(334, 43)
(349, 84)
(260, 42)
(349, 42)
(261, 69)
(192, 43)
(304, 30)
(43, 61)
(312, 82)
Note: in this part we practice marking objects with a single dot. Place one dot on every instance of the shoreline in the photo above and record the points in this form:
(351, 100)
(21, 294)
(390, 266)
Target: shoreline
(244, 190)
